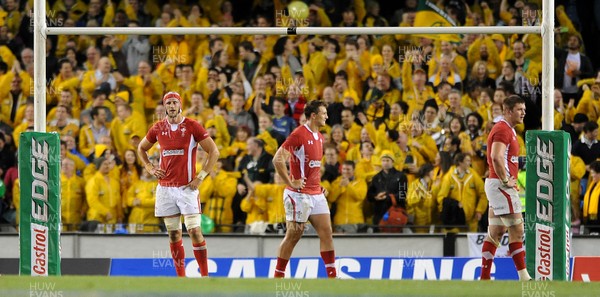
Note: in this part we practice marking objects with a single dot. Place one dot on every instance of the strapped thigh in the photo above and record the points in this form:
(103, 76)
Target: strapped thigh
(495, 222)
(509, 222)
(192, 221)
(173, 223)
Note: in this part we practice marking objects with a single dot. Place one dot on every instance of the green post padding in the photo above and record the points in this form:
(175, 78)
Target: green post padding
(39, 179)
(548, 213)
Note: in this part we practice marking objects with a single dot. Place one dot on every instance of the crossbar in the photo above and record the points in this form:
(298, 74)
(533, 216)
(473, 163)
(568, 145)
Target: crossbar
(292, 30)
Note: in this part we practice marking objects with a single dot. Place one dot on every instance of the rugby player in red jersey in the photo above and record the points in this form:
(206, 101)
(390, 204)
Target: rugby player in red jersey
(501, 190)
(177, 190)
(303, 197)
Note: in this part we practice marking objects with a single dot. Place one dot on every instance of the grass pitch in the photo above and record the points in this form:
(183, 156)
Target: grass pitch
(98, 286)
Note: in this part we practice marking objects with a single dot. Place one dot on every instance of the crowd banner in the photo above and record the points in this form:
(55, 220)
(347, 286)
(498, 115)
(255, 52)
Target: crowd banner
(39, 178)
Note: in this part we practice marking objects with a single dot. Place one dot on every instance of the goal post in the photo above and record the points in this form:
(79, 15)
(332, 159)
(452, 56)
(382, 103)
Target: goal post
(546, 30)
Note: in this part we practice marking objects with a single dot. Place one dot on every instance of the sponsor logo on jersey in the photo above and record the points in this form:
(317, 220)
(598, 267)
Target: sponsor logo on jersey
(314, 164)
(167, 153)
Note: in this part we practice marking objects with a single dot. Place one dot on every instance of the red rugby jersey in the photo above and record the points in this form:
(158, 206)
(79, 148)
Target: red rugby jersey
(178, 146)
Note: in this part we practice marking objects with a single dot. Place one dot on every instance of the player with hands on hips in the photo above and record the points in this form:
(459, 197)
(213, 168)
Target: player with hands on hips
(177, 190)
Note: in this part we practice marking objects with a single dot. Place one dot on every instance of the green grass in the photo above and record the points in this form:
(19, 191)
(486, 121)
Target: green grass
(160, 286)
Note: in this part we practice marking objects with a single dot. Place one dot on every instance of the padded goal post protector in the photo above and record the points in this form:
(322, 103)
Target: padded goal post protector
(39, 176)
(548, 212)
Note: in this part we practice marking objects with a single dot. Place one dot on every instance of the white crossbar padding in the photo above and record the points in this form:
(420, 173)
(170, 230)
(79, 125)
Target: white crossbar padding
(298, 31)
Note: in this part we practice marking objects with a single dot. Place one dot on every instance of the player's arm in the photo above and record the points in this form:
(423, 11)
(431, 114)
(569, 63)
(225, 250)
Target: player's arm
(279, 161)
(143, 148)
(498, 152)
(208, 145)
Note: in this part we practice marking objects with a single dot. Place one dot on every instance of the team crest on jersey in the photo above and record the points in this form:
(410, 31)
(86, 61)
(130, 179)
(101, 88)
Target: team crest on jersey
(183, 131)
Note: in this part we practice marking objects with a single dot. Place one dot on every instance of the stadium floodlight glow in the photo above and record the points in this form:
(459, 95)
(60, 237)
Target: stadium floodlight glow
(546, 30)
(291, 30)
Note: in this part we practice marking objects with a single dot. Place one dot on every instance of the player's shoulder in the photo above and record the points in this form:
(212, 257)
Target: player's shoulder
(502, 132)
(299, 131)
(499, 127)
(195, 125)
(157, 125)
(191, 122)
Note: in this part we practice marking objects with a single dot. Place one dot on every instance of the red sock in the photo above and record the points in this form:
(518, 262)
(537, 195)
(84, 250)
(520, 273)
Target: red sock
(280, 268)
(329, 259)
(517, 252)
(201, 255)
(178, 254)
(487, 259)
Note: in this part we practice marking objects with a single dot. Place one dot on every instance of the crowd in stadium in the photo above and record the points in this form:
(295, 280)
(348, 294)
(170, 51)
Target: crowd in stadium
(399, 106)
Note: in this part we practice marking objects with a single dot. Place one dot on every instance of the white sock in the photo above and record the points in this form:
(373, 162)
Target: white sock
(524, 275)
